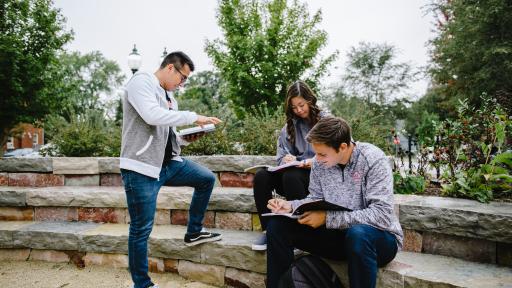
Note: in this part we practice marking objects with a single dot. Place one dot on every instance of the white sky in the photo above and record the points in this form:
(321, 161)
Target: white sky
(113, 26)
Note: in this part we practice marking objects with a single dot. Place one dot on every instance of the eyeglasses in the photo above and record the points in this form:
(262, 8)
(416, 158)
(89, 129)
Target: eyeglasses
(183, 77)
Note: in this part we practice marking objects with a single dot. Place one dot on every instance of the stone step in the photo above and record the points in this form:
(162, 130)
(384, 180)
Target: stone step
(222, 199)
(458, 228)
(230, 208)
(234, 252)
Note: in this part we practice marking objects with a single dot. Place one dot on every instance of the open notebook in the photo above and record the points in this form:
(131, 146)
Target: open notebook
(317, 205)
(197, 129)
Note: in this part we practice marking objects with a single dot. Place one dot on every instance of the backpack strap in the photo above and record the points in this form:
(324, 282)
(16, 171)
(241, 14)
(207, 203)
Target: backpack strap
(316, 270)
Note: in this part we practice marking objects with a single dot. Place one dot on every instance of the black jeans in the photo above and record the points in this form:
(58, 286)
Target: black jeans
(363, 247)
(292, 183)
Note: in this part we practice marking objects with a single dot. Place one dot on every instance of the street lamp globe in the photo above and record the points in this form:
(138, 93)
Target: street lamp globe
(163, 56)
(134, 60)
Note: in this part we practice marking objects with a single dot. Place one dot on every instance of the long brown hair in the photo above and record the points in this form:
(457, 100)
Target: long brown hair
(300, 89)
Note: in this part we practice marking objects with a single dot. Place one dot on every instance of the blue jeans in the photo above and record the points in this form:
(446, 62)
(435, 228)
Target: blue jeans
(364, 248)
(141, 193)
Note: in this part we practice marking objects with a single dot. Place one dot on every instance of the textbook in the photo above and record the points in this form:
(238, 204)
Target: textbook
(270, 168)
(317, 205)
(197, 129)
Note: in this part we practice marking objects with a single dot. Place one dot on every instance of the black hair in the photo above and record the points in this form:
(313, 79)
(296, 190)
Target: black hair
(178, 59)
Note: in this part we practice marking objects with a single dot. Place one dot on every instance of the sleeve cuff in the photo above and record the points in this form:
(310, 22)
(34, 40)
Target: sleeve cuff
(335, 220)
(192, 117)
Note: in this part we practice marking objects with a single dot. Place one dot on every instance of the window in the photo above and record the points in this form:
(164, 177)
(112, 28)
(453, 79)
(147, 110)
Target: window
(10, 143)
(35, 140)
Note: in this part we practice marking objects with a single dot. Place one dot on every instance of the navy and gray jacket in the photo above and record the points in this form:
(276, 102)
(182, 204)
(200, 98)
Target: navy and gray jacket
(364, 185)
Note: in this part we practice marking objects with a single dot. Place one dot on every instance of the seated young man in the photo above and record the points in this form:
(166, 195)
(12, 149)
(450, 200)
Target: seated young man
(354, 175)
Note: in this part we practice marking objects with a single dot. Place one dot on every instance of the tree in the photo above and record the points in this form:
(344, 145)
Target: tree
(472, 53)
(31, 34)
(266, 46)
(203, 93)
(373, 75)
(368, 124)
(84, 80)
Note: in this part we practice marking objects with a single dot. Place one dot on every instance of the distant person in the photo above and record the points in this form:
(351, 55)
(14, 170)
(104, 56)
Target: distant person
(302, 113)
(351, 174)
(150, 157)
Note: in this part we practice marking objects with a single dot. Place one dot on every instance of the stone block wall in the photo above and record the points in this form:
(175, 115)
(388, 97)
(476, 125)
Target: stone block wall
(434, 225)
(212, 274)
(87, 171)
(213, 219)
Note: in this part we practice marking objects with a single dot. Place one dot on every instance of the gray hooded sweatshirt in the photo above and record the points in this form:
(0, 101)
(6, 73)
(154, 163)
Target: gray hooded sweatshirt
(365, 185)
(146, 122)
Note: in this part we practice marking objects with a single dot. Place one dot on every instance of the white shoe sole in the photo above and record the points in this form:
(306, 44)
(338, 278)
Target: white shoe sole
(258, 247)
(204, 240)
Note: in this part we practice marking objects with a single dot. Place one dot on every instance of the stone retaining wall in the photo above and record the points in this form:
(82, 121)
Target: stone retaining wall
(89, 171)
(211, 274)
(88, 190)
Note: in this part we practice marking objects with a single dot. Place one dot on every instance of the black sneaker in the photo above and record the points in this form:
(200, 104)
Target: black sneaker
(201, 237)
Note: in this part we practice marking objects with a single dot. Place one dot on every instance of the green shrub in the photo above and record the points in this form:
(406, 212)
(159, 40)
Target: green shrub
(483, 183)
(85, 135)
(471, 152)
(216, 143)
(259, 131)
(410, 184)
(256, 134)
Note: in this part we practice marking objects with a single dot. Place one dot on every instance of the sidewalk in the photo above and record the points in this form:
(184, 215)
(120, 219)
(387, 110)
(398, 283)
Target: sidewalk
(36, 274)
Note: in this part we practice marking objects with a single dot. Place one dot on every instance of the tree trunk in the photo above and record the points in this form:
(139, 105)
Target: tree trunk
(4, 135)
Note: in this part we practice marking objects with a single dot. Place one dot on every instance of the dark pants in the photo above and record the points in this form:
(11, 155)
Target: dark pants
(291, 183)
(364, 248)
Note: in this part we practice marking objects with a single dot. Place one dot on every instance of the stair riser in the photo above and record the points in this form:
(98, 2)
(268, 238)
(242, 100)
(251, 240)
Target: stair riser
(28, 179)
(213, 219)
(220, 276)
(82, 241)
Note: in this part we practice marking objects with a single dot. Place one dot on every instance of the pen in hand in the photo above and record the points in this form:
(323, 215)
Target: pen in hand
(273, 204)
(289, 156)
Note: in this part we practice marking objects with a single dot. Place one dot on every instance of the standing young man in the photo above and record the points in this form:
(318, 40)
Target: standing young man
(352, 175)
(150, 157)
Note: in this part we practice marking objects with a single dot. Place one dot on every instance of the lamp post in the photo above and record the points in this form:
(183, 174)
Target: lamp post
(134, 60)
(163, 56)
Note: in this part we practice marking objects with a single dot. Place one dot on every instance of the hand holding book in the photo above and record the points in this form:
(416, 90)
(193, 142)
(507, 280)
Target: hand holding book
(282, 209)
(197, 130)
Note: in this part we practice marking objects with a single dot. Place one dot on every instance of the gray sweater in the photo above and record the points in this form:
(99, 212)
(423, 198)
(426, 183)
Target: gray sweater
(364, 185)
(302, 149)
(146, 122)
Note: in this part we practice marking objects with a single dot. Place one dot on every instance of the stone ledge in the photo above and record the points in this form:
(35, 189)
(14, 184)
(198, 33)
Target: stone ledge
(76, 165)
(13, 196)
(449, 216)
(222, 199)
(410, 270)
(407, 270)
(96, 165)
(26, 164)
(492, 221)
(166, 241)
(232, 163)
(108, 165)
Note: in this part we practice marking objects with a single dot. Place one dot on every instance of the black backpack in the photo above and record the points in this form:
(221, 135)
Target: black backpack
(309, 271)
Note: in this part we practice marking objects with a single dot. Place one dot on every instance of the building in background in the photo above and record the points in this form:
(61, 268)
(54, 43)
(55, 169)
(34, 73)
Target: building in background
(25, 136)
